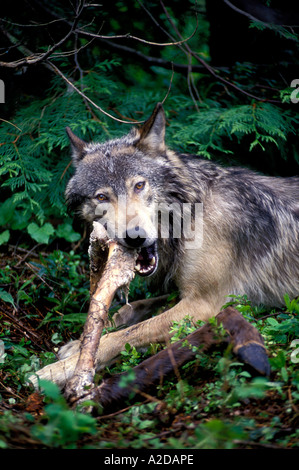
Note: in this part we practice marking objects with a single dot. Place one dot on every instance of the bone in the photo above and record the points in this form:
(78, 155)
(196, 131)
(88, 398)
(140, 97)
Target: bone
(118, 272)
(78, 370)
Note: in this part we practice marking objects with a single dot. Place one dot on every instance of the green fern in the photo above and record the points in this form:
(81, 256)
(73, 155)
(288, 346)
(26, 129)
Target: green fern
(34, 151)
(210, 130)
(34, 154)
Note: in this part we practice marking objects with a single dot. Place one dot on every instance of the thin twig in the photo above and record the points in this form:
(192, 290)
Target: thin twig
(26, 255)
(35, 58)
(212, 71)
(135, 38)
(169, 88)
(181, 68)
(187, 50)
(56, 69)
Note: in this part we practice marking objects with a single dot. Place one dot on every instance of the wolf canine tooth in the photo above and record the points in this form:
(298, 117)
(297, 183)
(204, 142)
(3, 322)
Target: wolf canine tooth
(153, 261)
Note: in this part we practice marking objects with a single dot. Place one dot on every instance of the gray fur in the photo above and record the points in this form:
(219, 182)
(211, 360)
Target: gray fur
(251, 221)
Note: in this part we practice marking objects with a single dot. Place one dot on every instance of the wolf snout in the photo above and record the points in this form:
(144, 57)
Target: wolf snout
(135, 237)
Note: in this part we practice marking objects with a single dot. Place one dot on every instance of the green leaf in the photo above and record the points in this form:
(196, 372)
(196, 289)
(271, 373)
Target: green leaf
(67, 232)
(6, 211)
(4, 237)
(40, 234)
(75, 318)
(50, 389)
(284, 374)
(6, 296)
(272, 322)
(19, 220)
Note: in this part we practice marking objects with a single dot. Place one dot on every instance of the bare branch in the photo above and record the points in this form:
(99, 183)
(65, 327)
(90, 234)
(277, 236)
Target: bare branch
(150, 60)
(130, 36)
(32, 58)
(56, 70)
(35, 58)
(37, 25)
(187, 50)
(169, 88)
(213, 72)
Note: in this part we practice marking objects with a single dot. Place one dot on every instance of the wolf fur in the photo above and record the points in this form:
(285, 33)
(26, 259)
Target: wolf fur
(250, 229)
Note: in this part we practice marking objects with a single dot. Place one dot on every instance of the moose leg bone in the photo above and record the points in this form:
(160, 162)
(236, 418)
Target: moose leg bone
(77, 372)
(118, 272)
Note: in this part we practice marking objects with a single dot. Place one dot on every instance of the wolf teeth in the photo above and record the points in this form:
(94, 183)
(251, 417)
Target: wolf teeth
(138, 267)
(153, 261)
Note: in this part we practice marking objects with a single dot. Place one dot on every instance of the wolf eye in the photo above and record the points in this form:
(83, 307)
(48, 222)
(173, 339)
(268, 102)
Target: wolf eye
(139, 186)
(101, 197)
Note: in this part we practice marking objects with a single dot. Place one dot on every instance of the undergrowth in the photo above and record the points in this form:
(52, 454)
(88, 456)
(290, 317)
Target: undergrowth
(211, 402)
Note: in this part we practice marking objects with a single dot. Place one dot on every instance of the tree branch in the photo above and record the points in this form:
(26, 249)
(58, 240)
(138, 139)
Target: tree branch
(35, 58)
(150, 60)
(213, 72)
(130, 36)
(32, 58)
(56, 70)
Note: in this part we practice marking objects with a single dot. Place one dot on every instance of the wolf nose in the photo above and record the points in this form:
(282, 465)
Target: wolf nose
(135, 237)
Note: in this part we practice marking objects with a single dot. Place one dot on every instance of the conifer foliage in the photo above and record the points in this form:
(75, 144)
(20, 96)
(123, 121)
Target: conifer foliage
(100, 68)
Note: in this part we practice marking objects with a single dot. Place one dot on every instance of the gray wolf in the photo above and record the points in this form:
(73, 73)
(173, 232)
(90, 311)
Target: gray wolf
(249, 232)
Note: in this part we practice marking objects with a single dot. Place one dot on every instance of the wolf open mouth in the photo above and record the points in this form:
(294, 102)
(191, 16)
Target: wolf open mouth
(147, 261)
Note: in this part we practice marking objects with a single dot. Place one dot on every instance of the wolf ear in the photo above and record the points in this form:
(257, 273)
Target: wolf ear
(152, 133)
(77, 145)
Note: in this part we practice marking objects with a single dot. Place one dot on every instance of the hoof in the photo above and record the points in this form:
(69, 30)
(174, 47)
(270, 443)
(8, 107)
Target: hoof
(256, 357)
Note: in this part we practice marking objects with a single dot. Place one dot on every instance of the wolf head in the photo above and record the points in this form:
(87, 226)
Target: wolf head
(119, 181)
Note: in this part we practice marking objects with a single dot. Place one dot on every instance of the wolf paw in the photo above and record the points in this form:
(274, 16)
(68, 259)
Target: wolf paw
(69, 349)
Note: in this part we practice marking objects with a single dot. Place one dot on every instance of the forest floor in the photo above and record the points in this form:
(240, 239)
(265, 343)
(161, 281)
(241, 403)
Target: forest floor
(213, 402)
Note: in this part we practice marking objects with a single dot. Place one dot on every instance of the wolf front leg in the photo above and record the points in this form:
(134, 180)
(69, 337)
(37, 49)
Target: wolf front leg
(128, 315)
(154, 330)
(141, 335)
(246, 341)
(137, 311)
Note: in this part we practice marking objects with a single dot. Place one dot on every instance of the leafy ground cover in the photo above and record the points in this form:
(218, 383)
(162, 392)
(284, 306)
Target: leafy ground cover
(213, 402)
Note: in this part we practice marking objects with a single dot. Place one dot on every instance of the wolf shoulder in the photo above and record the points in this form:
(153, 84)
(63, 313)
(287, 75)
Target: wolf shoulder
(245, 185)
